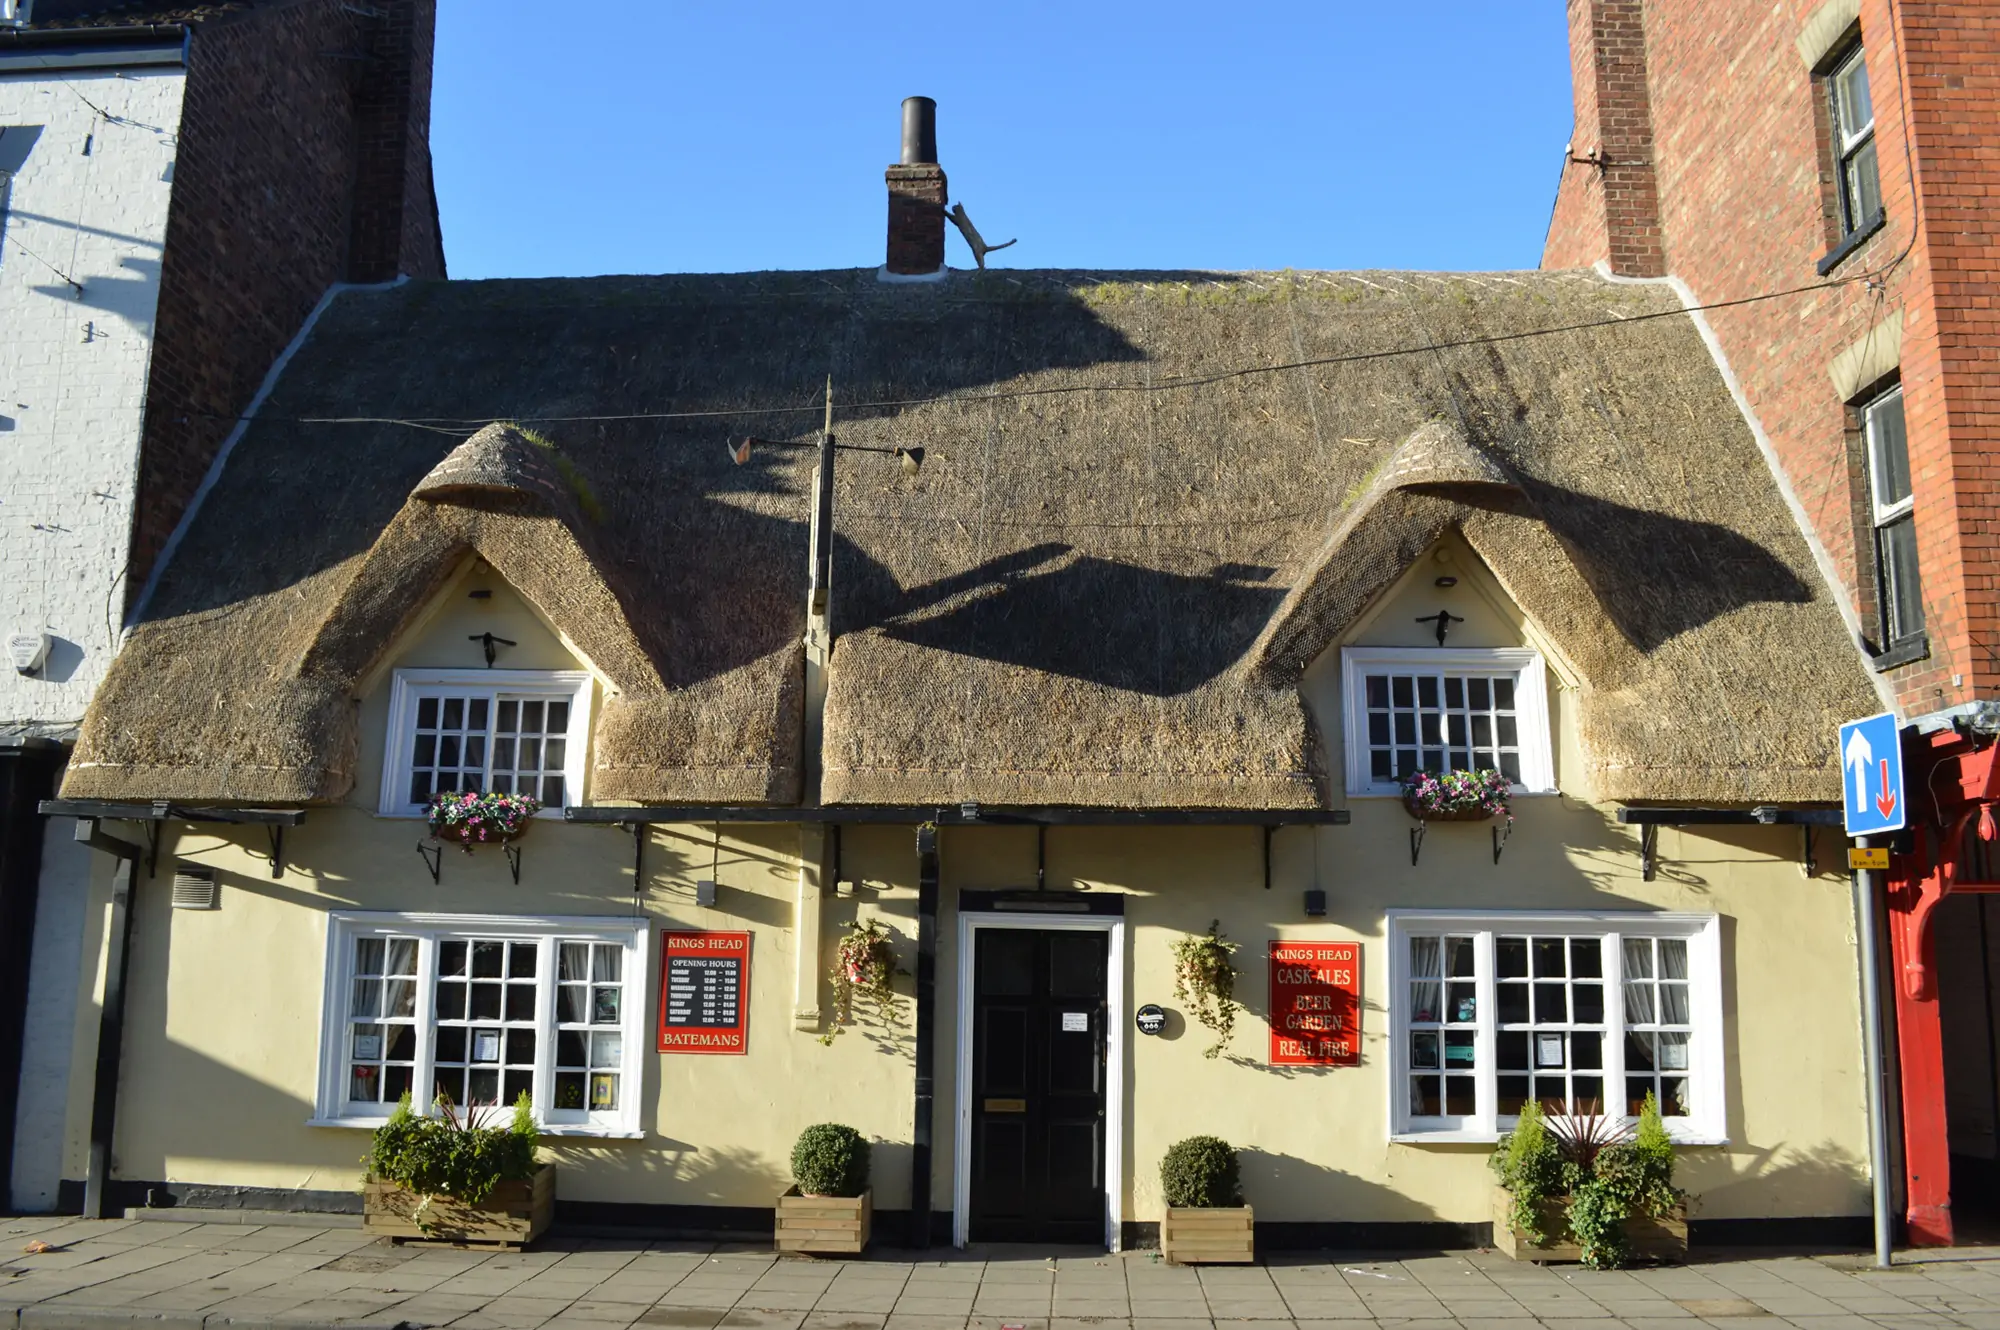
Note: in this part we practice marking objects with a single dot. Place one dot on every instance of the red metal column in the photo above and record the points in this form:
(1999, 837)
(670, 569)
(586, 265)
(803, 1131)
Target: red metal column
(1920, 1056)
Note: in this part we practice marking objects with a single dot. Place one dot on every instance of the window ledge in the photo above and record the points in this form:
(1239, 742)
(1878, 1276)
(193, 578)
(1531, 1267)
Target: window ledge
(1493, 1137)
(1906, 652)
(563, 1129)
(1853, 240)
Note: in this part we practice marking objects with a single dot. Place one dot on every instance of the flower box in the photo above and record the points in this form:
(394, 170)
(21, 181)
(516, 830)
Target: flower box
(1650, 1239)
(467, 819)
(833, 1225)
(1422, 814)
(514, 1213)
(1458, 796)
(1195, 1235)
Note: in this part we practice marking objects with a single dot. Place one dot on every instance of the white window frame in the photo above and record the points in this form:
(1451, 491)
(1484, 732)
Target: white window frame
(1531, 706)
(1706, 1125)
(1885, 515)
(429, 929)
(409, 686)
(1847, 146)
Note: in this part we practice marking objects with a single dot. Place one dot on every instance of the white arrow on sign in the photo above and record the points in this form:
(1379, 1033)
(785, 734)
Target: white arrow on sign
(1858, 754)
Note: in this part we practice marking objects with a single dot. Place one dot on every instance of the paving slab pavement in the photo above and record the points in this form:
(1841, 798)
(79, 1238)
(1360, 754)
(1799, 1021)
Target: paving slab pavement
(141, 1274)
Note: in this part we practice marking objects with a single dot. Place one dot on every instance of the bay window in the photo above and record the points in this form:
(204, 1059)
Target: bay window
(1580, 1013)
(483, 1010)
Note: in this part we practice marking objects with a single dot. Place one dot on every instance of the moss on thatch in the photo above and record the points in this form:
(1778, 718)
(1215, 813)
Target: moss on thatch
(1094, 597)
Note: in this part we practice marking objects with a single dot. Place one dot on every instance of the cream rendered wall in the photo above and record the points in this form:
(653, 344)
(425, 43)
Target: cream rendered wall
(222, 1052)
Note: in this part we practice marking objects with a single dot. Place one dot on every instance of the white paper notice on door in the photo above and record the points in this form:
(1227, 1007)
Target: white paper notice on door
(1076, 1022)
(1548, 1050)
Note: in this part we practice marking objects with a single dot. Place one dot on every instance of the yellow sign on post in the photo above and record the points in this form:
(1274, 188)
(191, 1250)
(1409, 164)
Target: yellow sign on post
(1875, 857)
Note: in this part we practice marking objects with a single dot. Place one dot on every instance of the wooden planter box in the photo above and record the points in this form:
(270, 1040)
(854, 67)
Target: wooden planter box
(515, 1213)
(825, 1224)
(1650, 1239)
(1201, 1236)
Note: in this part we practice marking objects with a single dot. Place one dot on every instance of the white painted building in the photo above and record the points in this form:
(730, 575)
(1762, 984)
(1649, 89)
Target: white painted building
(88, 157)
(87, 146)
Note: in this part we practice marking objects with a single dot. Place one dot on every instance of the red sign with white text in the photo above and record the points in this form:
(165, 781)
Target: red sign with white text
(704, 992)
(1315, 1004)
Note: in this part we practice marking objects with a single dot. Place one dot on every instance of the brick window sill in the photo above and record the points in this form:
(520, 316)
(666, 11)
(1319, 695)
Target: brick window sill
(1852, 241)
(1906, 652)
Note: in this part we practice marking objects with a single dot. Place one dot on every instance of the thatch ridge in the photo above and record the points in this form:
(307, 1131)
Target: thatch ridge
(1097, 593)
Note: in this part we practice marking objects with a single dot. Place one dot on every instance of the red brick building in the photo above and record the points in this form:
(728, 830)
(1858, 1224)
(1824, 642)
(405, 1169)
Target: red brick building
(1820, 176)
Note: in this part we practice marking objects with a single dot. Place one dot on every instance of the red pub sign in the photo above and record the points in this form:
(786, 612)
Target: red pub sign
(1316, 1004)
(704, 992)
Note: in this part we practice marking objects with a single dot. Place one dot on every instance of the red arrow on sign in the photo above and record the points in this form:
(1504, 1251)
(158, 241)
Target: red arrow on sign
(1885, 802)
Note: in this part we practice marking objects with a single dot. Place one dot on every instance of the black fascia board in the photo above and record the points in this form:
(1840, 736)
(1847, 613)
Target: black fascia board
(1765, 815)
(960, 815)
(105, 810)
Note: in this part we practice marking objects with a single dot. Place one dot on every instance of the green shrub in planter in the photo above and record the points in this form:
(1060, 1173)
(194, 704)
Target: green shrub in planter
(1201, 1172)
(830, 1160)
(457, 1154)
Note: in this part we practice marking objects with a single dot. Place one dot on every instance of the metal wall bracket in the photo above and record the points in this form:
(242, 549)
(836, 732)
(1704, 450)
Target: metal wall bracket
(513, 853)
(1500, 839)
(153, 848)
(639, 830)
(1808, 860)
(1268, 830)
(433, 860)
(1416, 842)
(1649, 850)
(275, 833)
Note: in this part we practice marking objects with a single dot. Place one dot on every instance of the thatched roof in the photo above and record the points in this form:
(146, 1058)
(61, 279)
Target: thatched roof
(1100, 597)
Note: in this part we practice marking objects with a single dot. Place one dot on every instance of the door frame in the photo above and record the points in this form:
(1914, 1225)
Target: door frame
(1114, 1060)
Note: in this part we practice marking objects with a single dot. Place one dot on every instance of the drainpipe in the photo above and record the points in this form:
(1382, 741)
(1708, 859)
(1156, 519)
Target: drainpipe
(920, 1134)
(111, 1017)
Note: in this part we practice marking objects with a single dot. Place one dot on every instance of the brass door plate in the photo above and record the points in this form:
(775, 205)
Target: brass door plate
(1006, 1106)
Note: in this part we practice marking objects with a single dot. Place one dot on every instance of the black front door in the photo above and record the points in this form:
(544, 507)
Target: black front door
(1038, 1085)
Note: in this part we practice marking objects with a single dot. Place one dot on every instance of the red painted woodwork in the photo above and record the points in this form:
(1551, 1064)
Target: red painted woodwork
(1960, 785)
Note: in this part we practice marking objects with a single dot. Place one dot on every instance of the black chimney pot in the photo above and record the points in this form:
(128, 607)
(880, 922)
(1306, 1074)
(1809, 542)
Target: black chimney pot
(919, 131)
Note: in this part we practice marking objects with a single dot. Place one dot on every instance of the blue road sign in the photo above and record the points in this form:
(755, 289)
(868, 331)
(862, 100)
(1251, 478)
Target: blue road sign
(1871, 768)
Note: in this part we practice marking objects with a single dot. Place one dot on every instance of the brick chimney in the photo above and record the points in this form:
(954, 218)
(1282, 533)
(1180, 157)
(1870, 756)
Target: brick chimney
(1608, 206)
(394, 227)
(917, 195)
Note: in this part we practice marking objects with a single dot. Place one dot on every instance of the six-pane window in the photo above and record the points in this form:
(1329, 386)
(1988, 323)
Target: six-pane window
(1893, 505)
(483, 1011)
(1853, 117)
(1577, 1014)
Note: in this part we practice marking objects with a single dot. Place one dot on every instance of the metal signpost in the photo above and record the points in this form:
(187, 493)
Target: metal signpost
(1874, 803)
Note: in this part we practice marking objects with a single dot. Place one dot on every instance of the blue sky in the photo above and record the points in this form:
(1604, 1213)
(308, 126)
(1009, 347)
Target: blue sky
(668, 136)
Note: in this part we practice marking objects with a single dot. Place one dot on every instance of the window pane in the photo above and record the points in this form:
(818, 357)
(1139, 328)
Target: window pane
(1888, 449)
(427, 713)
(368, 953)
(1902, 594)
(558, 722)
(1864, 186)
(1510, 955)
(1586, 958)
(1460, 1096)
(1513, 1002)
(574, 963)
(1424, 1050)
(1638, 958)
(1854, 113)
(607, 960)
(569, 1090)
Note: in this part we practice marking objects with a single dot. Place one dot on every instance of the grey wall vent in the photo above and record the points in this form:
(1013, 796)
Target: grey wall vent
(194, 889)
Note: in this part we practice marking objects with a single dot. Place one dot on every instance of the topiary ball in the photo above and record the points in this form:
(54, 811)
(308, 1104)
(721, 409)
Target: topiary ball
(1201, 1172)
(830, 1160)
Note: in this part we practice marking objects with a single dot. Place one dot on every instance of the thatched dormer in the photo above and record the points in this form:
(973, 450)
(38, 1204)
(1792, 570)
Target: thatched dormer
(1149, 502)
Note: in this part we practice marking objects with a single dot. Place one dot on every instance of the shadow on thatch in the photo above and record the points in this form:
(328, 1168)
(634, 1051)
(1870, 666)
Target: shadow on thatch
(1050, 609)
(1656, 575)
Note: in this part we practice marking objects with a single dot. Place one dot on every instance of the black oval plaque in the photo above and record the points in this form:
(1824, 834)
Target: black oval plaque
(1151, 1019)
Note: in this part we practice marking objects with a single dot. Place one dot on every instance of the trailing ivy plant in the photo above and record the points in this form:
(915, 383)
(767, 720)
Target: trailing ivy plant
(1598, 1170)
(1205, 979)
(456, 1155)
(864, 967)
